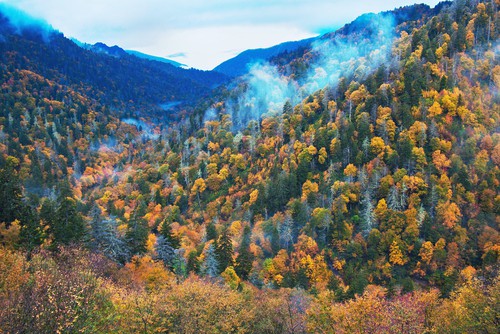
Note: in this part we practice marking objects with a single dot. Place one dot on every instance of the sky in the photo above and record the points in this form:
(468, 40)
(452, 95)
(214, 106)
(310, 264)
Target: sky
(199, 33)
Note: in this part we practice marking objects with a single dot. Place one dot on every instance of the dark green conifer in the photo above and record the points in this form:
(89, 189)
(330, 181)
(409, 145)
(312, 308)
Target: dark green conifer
(224, 251)
(67, 226)
(245, 258)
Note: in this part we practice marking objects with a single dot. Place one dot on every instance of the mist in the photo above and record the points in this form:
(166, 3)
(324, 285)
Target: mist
(336, 56)
(266, 93)
(21, 22)
(355, 57)
(144, 129)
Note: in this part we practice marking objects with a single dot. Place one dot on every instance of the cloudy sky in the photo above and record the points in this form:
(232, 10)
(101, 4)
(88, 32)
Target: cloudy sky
(199, 33)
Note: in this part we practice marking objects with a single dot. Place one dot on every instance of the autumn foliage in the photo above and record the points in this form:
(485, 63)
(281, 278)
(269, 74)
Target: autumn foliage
(369, 206)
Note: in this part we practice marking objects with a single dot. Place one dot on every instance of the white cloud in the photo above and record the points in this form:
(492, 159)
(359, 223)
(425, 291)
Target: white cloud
(202, 29)
(208, 46)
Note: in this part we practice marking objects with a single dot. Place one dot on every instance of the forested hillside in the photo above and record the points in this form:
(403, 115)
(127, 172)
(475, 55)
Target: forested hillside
(123, 82)
(352, 186)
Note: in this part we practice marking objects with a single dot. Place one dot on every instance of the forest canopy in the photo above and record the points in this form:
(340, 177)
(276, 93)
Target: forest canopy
(366, 202)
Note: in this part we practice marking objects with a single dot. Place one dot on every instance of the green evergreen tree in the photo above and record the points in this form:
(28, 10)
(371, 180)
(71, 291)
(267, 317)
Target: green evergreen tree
(211, 231)
(137, 235)
(12, 206)
(32, 233)
(287, 107)
(67, 226)
(193, 265)
(159, 198)
(245, 258)
(137, 232)
(11, 194)
(275, 240)
(171, 238)
(224, 251)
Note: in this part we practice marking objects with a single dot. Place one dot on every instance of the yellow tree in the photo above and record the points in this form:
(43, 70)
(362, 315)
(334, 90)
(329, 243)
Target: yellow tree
(231, 278)
(448, 214)
(309, 188)
(322, 156)
(435, 110)
(441, 162)
(426, 252)
(198, 188)
(350, 172)
(377, 145)
(396, 255)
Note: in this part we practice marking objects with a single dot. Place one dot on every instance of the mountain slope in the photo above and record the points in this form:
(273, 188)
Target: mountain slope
(126, 79)
(362, 173)
(239, 65)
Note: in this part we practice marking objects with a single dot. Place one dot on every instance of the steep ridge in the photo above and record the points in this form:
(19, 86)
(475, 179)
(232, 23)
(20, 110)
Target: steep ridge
(238, 65)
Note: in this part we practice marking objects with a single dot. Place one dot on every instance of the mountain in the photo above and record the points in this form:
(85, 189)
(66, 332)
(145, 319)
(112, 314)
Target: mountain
(109, 74)
(405, 16)
(114, 51)
(238, 65)
(359, 173)
(155, 58)
(118, 52)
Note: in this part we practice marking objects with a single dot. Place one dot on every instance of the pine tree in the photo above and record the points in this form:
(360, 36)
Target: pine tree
(193, 264)
(393, 201)
(12, 206)
(104, 237)
(68, 225)
(287, 107)
(137, 235)
(286, 231)
(224, 251)
(159, 198)
(211, 232)
(32, 233)
(111, 244)
(166, 232)
(367, 213)
(47, 211)
(10, 192)
(210, 266)
(403, 198)
(275, 240)
(179, 264)
(96, 226)
(164, 251)
(244, 260)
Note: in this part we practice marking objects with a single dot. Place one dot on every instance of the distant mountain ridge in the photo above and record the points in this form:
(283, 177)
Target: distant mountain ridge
(239, 65)
(116, 51)
(109, 74)
(156, 58)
